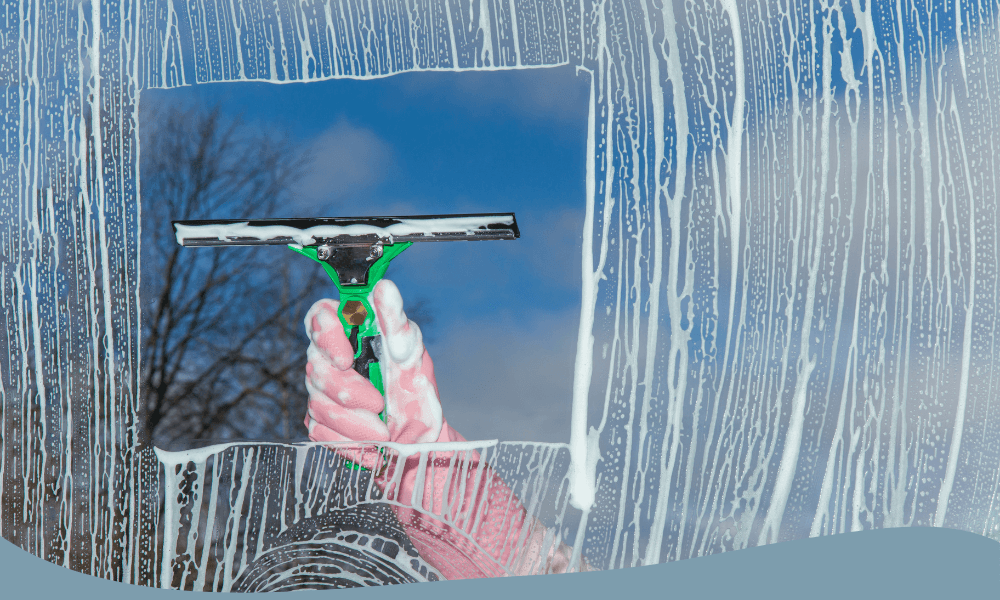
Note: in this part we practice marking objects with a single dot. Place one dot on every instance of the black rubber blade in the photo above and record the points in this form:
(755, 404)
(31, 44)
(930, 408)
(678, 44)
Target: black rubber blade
(347, 231)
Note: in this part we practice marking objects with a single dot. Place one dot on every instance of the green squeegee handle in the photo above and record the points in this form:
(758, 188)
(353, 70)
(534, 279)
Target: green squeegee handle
(357, 315)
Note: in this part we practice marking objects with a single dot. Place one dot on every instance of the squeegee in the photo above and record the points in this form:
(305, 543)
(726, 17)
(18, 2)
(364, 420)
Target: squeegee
(355, 253)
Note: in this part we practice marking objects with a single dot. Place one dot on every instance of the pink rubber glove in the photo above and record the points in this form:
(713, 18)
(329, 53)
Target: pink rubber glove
(344, 406)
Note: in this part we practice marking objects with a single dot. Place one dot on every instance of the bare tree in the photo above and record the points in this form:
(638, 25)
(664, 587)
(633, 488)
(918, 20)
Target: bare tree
(223, 351)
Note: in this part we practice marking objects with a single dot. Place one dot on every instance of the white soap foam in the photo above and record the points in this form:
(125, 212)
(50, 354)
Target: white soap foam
(308, 236)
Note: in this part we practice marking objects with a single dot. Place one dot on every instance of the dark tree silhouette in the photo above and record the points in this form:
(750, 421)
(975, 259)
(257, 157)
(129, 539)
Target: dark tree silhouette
(223, 347)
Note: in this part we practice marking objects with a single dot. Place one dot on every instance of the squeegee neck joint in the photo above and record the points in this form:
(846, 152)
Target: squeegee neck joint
(352, 262)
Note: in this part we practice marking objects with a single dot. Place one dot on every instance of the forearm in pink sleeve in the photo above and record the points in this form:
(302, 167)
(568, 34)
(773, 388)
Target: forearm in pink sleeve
(465, 520)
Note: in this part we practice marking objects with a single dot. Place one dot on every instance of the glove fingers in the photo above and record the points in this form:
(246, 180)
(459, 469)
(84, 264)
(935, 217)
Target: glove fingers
(347, 388)
(349, 424)
(415, 413)
(325, 330)
(402, 336)
(367, 456)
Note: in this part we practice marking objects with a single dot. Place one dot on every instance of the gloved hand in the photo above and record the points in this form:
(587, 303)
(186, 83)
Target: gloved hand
(344, 406)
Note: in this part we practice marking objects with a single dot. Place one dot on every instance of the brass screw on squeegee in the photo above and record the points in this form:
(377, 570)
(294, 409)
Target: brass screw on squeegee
(354, 312)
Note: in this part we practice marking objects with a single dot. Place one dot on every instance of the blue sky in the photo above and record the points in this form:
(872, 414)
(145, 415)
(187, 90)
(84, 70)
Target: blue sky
(504, 313)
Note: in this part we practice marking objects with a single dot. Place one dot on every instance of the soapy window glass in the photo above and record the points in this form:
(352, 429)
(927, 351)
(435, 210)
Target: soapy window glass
(786, 286)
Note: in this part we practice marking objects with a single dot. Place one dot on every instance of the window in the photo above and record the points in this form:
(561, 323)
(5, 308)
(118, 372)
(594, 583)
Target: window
(787, 307)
